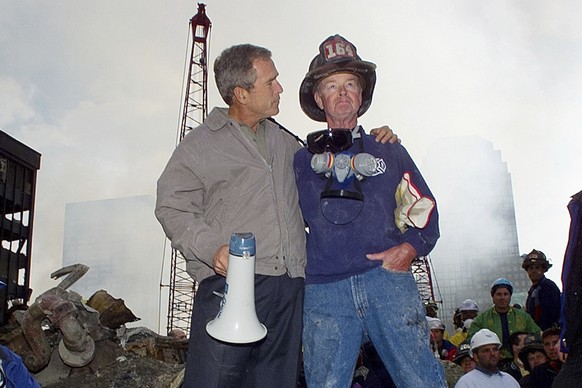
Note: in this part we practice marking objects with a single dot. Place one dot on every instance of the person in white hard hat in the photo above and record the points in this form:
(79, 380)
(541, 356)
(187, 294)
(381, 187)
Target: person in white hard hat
(442, 347)
(485, 351)
(468, 310)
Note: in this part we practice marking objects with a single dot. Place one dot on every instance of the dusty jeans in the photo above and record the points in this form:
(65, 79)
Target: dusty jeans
(384, 305)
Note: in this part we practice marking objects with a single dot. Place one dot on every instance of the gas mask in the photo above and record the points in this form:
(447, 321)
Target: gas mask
(345, 166)
(342, 199)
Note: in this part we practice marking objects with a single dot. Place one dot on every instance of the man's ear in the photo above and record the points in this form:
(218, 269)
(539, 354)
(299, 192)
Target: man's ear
(475, 357)
(240, 95)
(318, 100)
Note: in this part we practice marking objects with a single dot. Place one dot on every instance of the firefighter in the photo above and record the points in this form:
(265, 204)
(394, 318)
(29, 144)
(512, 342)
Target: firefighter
(543, 297)
(536, 361)
(464, 359)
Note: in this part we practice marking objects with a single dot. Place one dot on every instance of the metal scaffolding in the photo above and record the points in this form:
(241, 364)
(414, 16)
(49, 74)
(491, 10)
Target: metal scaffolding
(194, 111)
(422, 275)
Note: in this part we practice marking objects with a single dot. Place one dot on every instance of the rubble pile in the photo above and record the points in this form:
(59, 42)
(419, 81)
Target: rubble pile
(66, 343)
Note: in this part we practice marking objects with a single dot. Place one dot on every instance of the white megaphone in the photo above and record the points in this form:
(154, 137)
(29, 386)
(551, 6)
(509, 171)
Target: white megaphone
(236, 321)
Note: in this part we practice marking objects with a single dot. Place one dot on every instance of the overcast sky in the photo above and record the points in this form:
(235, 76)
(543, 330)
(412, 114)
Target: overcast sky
(95, 87)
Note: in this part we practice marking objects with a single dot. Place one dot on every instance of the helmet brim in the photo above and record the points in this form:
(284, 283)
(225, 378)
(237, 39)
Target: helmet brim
(528, 262)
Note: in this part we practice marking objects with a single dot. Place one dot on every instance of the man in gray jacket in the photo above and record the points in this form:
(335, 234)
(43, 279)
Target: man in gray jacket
(234, 174)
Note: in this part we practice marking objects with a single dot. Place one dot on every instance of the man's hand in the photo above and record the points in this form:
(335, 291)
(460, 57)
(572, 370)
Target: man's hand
(221, 260)
(385, 135)
(397, 259)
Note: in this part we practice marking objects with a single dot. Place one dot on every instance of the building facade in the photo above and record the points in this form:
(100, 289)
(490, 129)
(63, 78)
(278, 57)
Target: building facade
(479, 242)
(122, 243)
(18, 168)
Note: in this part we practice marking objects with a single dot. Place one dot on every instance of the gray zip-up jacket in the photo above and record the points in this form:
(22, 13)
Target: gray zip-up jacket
(216, 183)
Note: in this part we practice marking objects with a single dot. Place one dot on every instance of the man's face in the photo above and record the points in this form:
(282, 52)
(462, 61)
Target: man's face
(263, 97)
(535, 272)
(517, 348)
(437, 334)
(468, 314)
(501, 299)
(340, 96)
(550, 346)
(468, 364)
(487, 356)
(535, 358)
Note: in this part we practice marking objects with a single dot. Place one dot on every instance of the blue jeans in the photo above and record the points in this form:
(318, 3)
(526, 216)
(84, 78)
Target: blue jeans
(383, 305)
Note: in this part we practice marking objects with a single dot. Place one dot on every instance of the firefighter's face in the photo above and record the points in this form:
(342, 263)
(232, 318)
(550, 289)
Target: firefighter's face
(535, 272)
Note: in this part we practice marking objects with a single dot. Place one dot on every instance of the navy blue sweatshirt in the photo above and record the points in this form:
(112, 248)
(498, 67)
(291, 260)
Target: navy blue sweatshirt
(336, 252)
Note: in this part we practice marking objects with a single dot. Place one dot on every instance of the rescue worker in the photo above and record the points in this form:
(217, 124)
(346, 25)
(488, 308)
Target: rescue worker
(431, 308)
(361, 240)
(515, 367)
(485, 350)
(502, 318)
(543, 298)
(533, 356)
(442, 347)
(464, 359)
(468, 311)
(551, 342)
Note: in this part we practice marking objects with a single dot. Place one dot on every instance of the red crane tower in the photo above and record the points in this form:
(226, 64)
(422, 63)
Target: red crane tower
(194, 111)
(423, 276)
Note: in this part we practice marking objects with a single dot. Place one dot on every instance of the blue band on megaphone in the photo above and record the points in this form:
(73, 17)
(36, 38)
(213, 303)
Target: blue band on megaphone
(241, 243)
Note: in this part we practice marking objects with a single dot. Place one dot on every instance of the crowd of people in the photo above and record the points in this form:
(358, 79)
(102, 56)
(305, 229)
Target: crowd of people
(527, 339)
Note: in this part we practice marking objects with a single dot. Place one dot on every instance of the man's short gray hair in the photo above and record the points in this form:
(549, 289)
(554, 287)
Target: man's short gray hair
(234, 67)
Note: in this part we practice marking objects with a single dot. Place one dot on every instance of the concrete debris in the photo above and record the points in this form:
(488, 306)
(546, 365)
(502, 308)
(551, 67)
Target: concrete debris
(112, 312)
(74, 272)
(67, 343)
(113, 367)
